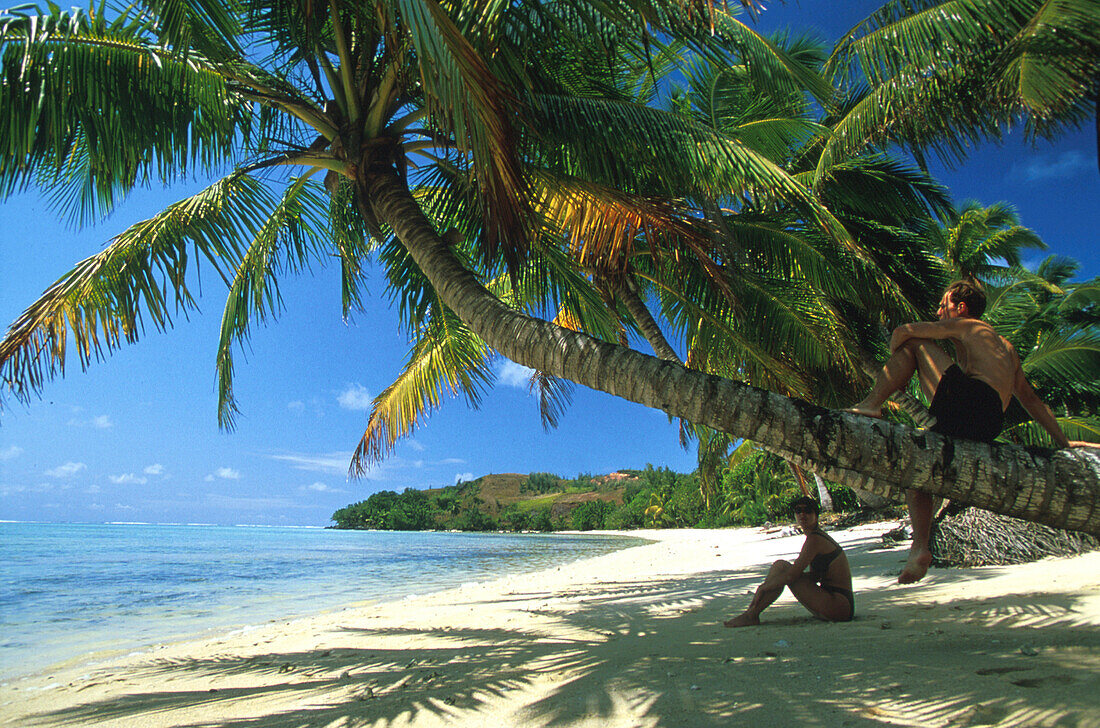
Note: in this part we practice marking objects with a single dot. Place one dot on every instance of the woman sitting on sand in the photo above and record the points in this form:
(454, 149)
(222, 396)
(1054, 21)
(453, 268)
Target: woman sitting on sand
(819, 577)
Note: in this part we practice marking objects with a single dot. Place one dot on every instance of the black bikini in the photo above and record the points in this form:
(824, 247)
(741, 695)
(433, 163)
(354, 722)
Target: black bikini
(818, 568)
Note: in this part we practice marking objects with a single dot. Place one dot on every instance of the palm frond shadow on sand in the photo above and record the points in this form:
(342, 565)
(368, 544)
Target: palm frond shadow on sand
(642, 653)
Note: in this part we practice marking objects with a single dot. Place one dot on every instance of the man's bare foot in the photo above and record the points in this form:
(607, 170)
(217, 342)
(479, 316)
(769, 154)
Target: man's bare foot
(743, 620)
(916, 567)
(862, 408)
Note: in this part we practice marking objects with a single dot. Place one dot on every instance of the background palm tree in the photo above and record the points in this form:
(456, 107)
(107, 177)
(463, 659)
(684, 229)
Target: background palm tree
(943, 75)
(1054, 324)
(982, 242)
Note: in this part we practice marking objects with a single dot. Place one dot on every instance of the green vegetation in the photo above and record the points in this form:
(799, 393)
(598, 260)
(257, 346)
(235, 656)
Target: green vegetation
(754, 491)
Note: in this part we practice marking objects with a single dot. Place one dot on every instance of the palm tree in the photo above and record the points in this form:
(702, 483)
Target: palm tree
(1054, 324)
(975, 237)
(356, 94)
(946, 74)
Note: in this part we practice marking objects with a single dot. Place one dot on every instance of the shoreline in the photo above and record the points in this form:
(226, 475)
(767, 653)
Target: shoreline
(630, 638)
(86, 624)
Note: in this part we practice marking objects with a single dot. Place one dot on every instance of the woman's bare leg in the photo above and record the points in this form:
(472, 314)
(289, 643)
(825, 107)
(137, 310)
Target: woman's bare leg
(765, 596)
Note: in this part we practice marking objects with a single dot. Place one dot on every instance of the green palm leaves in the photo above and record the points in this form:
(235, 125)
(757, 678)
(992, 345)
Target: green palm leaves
(1055, 326)
(539, 132)
(92, 108)
(143, 274)
(974, 239)
(946, 74)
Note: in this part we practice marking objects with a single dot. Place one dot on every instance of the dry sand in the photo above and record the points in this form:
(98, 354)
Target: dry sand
(632, 639)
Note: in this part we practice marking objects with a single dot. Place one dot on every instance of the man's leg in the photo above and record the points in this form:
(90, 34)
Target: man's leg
(928, 361)
(920, 552)
(917, 356)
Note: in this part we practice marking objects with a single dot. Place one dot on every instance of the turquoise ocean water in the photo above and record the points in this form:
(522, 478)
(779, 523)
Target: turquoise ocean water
(69, 591)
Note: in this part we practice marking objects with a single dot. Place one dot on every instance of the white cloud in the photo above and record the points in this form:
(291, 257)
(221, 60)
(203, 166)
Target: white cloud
(6, 490)
(154, 469)
(415, 445)
(355, 397)
(103, 422)
(296, 406)
(335, 463)
(515, 375)
(209, 479)
(452, 461)
(127, 479)
(320, 487)
(10, 452)
(228, 473)
(1046, 167)
(463, 478)
(67, 470)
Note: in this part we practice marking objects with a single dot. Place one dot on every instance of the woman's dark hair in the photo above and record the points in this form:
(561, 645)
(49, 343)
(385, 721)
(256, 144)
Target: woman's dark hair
(806, 501)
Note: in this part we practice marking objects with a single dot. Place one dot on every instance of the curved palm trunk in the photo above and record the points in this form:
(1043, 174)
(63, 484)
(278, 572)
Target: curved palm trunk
(1061, 489)
(628, 294)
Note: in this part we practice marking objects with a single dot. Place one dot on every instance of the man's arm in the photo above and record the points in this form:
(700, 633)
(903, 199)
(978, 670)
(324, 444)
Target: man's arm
(1038, 409)
(948, 329)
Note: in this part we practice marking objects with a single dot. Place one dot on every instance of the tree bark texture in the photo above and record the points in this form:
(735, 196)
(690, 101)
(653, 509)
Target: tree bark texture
(628, 294)
(1060, 489)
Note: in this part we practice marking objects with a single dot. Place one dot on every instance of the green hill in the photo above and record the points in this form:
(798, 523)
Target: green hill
(509, 501)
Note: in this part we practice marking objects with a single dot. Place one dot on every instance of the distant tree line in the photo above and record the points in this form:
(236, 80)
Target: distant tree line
(753, 492)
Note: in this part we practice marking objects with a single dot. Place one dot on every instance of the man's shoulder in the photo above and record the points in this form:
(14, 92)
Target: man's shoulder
(973, 325)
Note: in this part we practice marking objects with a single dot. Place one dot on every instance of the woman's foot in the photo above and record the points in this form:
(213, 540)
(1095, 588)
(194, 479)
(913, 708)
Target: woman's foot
(743, 620)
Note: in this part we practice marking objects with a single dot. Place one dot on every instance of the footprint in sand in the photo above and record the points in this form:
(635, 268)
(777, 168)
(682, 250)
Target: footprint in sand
(1038, 682)
(999, 670)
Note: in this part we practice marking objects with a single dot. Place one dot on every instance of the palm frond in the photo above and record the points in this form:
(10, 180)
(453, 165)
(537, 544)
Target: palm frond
(663, 154)
(463, 94)
(106, 298)
(448, 359)
(1068, 356)
(287, 242)
(92, 109)
(555, 395)
(1031, 434)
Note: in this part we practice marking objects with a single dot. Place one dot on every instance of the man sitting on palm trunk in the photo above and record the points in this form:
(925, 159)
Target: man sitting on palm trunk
(969, 397)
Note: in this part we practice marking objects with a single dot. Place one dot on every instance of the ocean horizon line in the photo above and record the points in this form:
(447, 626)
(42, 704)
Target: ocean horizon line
(160, 523)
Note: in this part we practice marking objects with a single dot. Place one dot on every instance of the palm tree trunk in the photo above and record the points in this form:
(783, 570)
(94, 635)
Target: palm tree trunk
(628, 294)
(1060, 489)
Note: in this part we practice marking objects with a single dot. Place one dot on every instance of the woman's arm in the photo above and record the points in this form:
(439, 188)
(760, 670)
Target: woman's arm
(780, 578)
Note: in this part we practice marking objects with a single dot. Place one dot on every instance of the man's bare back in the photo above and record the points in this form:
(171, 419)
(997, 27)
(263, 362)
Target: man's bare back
(983, 354)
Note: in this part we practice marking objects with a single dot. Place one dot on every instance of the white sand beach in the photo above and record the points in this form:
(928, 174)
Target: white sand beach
(633, 638)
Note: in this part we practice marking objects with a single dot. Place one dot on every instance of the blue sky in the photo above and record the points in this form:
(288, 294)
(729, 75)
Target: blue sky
(135, 437)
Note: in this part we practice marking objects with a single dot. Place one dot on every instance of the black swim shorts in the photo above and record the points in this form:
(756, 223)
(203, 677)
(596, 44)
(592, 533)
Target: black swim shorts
(966, 407)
